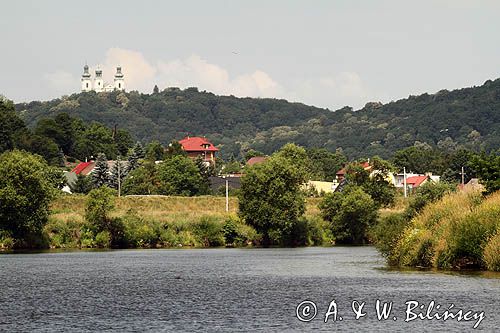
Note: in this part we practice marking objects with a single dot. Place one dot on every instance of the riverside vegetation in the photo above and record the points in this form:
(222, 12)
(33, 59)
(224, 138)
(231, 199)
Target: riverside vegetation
(434, 229)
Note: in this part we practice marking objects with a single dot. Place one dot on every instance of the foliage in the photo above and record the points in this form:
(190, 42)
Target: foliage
(487, 168)
(325, 164)
(270, 197)
(492, 253)
(179, 175)
(447, 120)
(100, 174)
(350, 213)
(100, 203)
(450, 233)
(209, 231)
(174, 149)
(154, 151)
(143, 180)
(427, 193)
(118, 173)
(376, 183)
(82, 184)
(386, 232)
(26, 189)
(11, 126)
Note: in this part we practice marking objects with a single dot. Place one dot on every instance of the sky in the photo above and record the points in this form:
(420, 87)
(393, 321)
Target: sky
(324, 53)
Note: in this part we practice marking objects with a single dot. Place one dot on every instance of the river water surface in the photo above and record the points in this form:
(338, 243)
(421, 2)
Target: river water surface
(230, 290)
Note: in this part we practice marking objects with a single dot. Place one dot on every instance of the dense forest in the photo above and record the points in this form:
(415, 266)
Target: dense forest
(465, 118)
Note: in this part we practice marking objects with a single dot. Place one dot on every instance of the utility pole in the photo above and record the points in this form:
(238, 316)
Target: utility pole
(404, 180)
(463, 177)
(227, 195)
(119, 179)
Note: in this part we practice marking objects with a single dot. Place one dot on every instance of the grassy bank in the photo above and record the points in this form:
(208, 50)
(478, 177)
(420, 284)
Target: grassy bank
(462, 230)
(167, 221)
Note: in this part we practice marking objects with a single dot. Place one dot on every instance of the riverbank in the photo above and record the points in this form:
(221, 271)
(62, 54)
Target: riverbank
(460, 231)
(167, 221)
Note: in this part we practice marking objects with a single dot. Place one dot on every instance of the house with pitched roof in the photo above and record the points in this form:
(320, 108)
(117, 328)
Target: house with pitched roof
(197, 146)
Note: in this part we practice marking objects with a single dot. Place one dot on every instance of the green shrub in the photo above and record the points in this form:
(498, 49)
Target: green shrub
(103, 239)
(319, 232)
(139, 232)
(414, 248)
(386, 232)
(6, 241)
(492, 253)
(208, 231)
(63, 234)
(351, 213)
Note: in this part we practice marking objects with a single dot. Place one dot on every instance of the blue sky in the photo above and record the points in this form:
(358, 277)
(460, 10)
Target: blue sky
(323, 53)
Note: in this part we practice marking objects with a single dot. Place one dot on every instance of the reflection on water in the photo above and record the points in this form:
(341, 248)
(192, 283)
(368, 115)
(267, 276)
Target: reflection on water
(228, 290)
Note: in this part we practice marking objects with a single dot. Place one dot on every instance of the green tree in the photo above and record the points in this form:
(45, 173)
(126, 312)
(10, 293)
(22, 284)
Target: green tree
(100, 174)
(350, 213)
(82, 184)
(135, 157)
(324, 163)
(108, 231)
(179, 175)
(11, 125)
(487, 168)
(123, 141)
(118, 173)
(270, 198)
(25, 194)
(374, 181)
(143, 180)
(155, 151)
(174, 149)
(253, 153)
(419, 160)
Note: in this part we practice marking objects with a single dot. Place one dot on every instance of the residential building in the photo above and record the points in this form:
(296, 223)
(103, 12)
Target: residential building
(199, 147)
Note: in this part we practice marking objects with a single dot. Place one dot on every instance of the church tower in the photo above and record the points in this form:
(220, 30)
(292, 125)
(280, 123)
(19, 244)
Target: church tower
(86, 82)
(119, 81)
(98, 81)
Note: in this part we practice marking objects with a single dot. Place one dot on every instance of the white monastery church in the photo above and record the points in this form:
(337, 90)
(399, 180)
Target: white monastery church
(98, 84)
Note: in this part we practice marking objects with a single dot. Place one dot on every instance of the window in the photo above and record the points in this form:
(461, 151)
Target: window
(87, 85)
(119, 85)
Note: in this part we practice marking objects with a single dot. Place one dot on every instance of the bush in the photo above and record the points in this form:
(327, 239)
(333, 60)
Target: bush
(103, 239)
(451, 233)
(208, 231)
(139, 232)
(492, 253)
(6, 241)
(26, 190)
(427, 193)
(386, 232)
(351, 213)
(63, 234)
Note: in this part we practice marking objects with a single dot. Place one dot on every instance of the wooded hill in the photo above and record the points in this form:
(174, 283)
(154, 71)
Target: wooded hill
(467, 118)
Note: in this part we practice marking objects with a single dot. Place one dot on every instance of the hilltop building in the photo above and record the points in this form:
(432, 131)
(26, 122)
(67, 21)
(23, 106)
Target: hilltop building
(98, 84)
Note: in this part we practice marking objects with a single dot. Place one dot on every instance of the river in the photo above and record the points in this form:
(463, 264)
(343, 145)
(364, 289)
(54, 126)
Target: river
(233, 290)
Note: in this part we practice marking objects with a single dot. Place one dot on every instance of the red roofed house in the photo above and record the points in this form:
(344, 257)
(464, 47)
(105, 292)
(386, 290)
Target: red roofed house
(416, 181)
(197, 146)
(84, 168)
(256, 160)
(341, 173)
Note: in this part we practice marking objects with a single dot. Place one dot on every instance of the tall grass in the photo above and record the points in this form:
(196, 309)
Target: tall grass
(458, 231)
(164, 221)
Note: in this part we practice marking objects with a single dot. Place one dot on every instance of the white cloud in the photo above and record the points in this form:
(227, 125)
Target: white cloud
(195, 71)
(62, 82)
(139, 72)
(334, 91)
